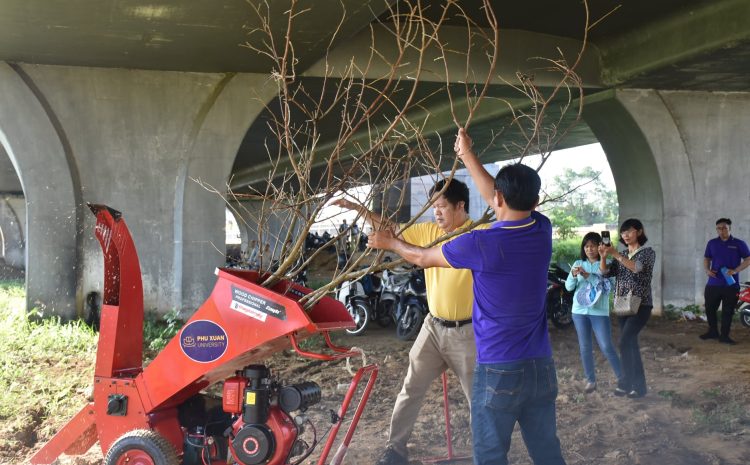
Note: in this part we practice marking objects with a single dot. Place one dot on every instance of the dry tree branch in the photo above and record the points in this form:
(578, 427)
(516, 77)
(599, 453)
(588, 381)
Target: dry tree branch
(354, 128)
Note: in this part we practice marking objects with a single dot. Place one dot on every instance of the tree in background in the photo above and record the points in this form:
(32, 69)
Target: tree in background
(579, 198)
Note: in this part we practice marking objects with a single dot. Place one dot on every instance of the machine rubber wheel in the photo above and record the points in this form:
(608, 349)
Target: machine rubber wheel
(360, 313)
(141, 447)
(408, 325)
(385, 313)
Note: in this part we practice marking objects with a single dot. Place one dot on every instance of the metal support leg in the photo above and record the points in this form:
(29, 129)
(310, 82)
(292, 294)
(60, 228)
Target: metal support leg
(448, 431)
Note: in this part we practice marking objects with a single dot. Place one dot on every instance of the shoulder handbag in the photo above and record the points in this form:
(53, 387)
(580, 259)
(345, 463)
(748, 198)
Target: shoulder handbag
(626, 305)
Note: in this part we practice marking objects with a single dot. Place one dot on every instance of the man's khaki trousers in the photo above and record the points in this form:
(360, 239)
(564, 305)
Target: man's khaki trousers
(436, 349)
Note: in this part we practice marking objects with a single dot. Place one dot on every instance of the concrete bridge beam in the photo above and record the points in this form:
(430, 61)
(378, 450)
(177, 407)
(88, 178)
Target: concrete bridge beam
(516, 49)
(687, 33)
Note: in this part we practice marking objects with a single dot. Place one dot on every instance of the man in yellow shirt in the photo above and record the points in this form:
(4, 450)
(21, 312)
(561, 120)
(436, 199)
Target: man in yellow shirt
(446, 339)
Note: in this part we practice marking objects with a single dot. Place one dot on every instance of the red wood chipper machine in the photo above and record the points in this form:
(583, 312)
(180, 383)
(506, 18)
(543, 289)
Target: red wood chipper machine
(160, 415)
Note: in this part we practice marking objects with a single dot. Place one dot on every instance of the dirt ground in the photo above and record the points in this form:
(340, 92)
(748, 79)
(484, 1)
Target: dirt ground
(696, 412)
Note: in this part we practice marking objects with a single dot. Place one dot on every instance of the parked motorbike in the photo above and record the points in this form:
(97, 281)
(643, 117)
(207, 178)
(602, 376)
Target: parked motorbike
(313, 241)
(559, 300)
(412, 305)
(743, 303)
(300, 274)
(325, 238)
(363, 299)
(301, 277)
(352, 294)
(390, 294)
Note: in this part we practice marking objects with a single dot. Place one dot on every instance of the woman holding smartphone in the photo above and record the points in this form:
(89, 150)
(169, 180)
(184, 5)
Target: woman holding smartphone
(632, 269)
(591, 309)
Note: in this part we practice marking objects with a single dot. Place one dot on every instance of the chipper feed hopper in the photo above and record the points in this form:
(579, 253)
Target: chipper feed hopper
(160, 414)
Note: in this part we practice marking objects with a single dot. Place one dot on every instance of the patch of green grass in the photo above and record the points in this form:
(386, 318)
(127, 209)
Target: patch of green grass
(46, 366)
(317, 283)
(713, 393)
(43, 363)
(158, 330)
(697, 309)
(676, 399)
(12, 288)
(564, 372)
(668, 394)
(670, 312)
(726, 417)
(723, 411)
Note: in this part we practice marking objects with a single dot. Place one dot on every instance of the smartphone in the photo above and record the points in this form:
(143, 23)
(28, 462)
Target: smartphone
(605, 238)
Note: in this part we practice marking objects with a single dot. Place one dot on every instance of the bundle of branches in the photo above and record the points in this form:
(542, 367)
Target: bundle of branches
(368, 122)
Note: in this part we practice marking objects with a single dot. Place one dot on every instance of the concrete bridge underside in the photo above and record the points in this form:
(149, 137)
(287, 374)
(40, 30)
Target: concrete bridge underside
(137, 123)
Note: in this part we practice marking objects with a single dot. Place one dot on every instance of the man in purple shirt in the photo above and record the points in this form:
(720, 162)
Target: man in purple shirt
(515, 378)
(723, 260)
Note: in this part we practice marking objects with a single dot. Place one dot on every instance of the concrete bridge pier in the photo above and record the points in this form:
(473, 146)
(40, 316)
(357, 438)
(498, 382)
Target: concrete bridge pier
(678, 159)
(31, 139)
(145, 143)
(200, 215)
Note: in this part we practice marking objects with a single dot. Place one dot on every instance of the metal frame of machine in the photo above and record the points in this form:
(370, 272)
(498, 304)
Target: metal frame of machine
(138, 414)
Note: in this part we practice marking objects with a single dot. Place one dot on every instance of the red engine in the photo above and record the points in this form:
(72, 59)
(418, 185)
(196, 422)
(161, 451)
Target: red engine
(263, 428)
(258, 422)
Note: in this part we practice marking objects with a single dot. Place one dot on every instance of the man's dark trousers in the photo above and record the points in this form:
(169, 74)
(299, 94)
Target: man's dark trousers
(727, 297)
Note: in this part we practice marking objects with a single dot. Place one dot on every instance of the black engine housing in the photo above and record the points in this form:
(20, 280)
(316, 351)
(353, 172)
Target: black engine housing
(253, 444)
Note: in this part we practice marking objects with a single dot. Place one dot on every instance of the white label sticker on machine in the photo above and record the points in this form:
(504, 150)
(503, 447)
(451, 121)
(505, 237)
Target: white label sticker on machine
(255, 306)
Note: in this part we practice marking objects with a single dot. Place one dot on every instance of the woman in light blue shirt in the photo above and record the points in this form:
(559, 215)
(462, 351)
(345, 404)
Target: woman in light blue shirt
(591, 309)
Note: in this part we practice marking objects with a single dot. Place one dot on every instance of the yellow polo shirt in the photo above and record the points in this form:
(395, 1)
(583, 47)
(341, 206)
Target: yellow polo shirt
(450, 295)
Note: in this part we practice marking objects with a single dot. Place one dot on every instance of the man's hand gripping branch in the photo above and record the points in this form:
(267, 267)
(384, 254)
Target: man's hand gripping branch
(420, 256)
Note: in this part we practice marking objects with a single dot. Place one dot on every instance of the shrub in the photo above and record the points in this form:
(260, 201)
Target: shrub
(158, 330)
(566, 251)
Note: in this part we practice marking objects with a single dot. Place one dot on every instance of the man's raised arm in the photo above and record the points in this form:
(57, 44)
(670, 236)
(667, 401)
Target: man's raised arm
(484, 181)
(420, 256)
(376, 221)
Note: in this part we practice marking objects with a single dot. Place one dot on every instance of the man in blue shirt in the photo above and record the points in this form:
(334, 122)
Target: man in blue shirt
(723, 260)
(515, 378)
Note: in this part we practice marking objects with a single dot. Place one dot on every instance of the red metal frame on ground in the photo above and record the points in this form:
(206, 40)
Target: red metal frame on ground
(449, 457)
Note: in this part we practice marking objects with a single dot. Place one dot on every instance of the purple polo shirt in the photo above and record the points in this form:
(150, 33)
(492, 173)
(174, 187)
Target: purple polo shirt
(729, 253)
(509, 263)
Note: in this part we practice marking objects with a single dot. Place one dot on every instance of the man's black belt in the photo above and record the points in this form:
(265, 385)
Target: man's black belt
(451, 323)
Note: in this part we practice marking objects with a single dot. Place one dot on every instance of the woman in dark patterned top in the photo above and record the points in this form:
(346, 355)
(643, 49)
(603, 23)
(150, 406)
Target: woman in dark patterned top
(632, 269)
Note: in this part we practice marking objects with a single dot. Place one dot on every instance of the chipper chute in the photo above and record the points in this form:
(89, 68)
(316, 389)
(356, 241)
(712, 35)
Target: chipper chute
(158, 415)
